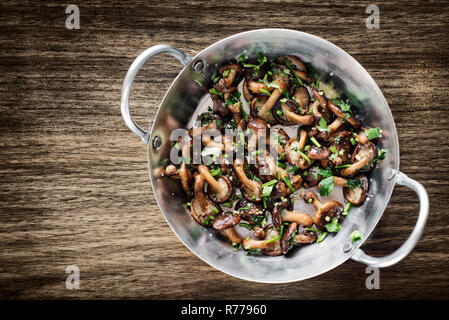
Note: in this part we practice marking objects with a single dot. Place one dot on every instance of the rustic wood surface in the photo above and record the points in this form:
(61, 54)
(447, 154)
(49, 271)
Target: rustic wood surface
(74, 181)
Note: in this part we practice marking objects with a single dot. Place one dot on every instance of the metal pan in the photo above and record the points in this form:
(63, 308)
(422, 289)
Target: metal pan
(349, 77)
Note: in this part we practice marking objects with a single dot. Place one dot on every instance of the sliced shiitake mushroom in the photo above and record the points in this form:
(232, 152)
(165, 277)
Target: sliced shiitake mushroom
(305, 237)
(231, 74)
(251, 189)
(249, 210)
(281, 83)
(361, 159)
(292, 151)
(219, 190)
(226, 222)
(318, 153)
(256, 105)
(288, 238)
(355, 190)
(325, 212)
(312, 177)
(302, 97)
(347, 116)
(271, 245)
(202, 208)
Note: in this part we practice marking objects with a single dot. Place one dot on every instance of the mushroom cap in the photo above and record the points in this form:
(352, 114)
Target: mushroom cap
(318, 153)
(302, 97)
(288, 238)
(225, 221)
(258, 125)
(357, 195)
(271, 232)
(276, 213)
(293, 156)
(223, 195)
(305, 237)
(367, 150)
(278, 111)
(331, 209)
(342, 143)
(250, 210)
(294, 62)
(202, 215)
(312, 178)
(220, 108)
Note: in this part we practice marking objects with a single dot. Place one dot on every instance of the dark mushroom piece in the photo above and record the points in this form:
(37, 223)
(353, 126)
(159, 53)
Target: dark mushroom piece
(312, 177)
(342, 144)
(231, 73)
(267, 167)
(277, 140)
(302, 97)
(219, 190)
(202, 208)
(305, 237)
(270, 245)
(318, 153)
(325, 212)
(220, 108)
(276, 215)
(323, 104)
(339, 113)
(288, 238)
(361, 159)
(249, 211)
(259, 233)
(251, 189)
(186, 179)
(226, 222)
(298, 67)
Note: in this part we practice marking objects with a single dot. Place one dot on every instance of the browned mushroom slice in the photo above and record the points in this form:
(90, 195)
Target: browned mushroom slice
(294, 62)
(171, 171)
(202, 208)
(255, 87)
(226, 222)
(220, 108)
(288, 238)
(249, 211)
(295, 156)
(270, 245)
(259, 233)
(219, 190)
(246, 93)
(361, 159)
(301, 218)
(289, 109)
(256, 105)
(321, 99)
(305, 238)
(229, 73)
(186, 178)
(312, 177)
(355, 190)
(318, 153)
(267, 167)
(302, 97)
(341, 144)
(325, 212)
(236, 110)
(251, 189)
(276, 213)
(361, 137)
(339, 113)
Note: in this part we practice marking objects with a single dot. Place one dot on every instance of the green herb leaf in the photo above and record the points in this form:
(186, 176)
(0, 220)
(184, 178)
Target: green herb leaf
(322, 126)
(356, 235)
(326, 186)
(333, 226)
(372, 133)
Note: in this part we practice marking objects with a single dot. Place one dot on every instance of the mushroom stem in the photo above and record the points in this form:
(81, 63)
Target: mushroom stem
(335, 124)
(362, 138)
(302, 139)
(320, 98)
(199, 193)
(233, 235)
(296, 118)
(214, 184)
(269, 104)
(310, 195)
(249, 244)
(305, 238)
(300, 218)
(349, 171)
(253, 186)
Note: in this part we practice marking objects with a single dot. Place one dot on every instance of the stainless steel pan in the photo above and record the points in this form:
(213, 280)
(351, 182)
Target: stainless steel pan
(348, 76)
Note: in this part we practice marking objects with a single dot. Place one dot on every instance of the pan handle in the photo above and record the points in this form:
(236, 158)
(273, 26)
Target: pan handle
(412, 240)
(129, 79)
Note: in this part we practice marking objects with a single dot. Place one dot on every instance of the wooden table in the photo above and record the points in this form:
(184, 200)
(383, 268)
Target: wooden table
(74, 180)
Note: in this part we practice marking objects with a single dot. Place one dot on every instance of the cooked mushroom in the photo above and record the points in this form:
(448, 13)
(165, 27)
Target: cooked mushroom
(230, 74)
(288, 110)
(251, 189)
(219, 190)
(301, 218)
(171, 171)
(341, 143)
(186, 178)
(270, 245)
(354, 190)
(203, 209)
(288, 238)
(325, 212)
(361, 159)
(312, 177)
(305, 237)
(281, 82)
(295, 156)
(249, 211)
(256, 105)
(226, 222)
(302, 97)
(339, 113)
(267, 169)
(259, 233)
(318, 153)
(220, 108)
(298, 67)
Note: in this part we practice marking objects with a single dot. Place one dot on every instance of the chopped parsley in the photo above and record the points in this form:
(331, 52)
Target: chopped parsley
(322, 126)
(372, 133)
(356, 235)
(333, 226)
(326, 186)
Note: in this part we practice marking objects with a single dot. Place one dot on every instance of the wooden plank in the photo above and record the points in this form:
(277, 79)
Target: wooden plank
(74, 181)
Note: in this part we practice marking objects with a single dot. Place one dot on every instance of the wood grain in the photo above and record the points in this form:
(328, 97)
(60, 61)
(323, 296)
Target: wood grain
(74, 181)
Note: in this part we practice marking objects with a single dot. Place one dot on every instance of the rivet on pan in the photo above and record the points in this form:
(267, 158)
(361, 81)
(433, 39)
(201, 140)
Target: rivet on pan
(347, 247)
(157, 142)
(198, 66)
(391, 174)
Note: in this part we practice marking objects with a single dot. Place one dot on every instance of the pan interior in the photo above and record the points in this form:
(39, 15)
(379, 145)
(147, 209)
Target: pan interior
(185, 99)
